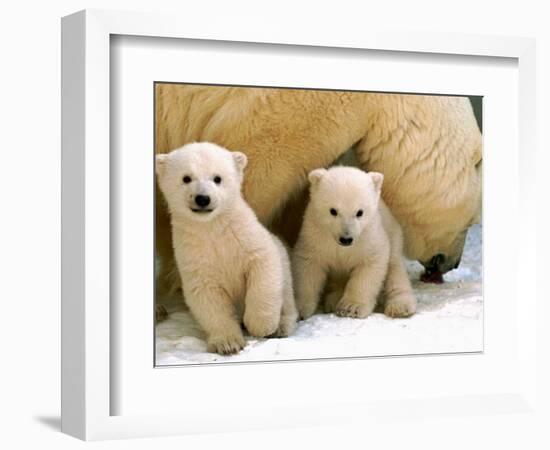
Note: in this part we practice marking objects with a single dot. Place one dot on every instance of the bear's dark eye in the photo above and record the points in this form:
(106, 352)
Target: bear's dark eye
(187, 179)
(217, 179)
(359, 213)
(333, 212)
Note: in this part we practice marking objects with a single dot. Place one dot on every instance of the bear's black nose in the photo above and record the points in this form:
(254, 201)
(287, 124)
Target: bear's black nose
(202, 200)
(345, 241)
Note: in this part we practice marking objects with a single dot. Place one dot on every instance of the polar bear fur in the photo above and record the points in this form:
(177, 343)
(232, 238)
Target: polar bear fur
(427, 147)
(232, 268)
(349, 247)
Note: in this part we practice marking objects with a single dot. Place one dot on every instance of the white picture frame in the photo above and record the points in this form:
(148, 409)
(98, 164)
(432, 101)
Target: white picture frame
(87, 386)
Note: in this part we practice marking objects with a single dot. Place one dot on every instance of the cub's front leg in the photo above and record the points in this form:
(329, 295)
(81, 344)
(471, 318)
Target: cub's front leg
(264, 296)
(309, 278)
(361, 292)
(216, 314)
(400, 299)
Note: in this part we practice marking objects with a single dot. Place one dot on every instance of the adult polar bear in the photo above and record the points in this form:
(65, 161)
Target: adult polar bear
(427, 147)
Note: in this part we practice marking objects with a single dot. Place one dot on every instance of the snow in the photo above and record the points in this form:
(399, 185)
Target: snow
(449, 319)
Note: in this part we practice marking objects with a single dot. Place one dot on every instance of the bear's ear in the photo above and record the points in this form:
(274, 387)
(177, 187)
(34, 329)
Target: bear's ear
(377, 179)
(240, 160)
(315, 176)
(160, 164)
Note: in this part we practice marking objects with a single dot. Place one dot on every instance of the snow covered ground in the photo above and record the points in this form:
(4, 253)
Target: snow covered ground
(449, 319)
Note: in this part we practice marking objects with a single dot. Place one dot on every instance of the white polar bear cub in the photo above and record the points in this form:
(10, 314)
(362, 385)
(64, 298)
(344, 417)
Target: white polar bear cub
(349, 247)
(232, 268)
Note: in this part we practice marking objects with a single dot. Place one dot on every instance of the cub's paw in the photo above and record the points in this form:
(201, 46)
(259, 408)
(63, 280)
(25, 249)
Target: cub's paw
(261, 326)
(286, 327)
(306, 310)
(402, 306)
(226, 345)
(349, 309)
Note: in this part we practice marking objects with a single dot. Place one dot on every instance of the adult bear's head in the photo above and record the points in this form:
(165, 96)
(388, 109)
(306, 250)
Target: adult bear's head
(436, 236)
(429, 149)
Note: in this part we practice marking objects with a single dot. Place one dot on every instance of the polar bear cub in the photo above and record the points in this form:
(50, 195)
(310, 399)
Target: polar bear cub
(232, 268)
(349, 248)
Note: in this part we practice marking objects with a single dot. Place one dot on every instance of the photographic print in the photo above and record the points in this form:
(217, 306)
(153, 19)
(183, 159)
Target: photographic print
(296, 224)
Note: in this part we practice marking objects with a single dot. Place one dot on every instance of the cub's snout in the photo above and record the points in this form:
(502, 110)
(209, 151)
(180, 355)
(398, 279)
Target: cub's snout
(202, 200)
(345, 241)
